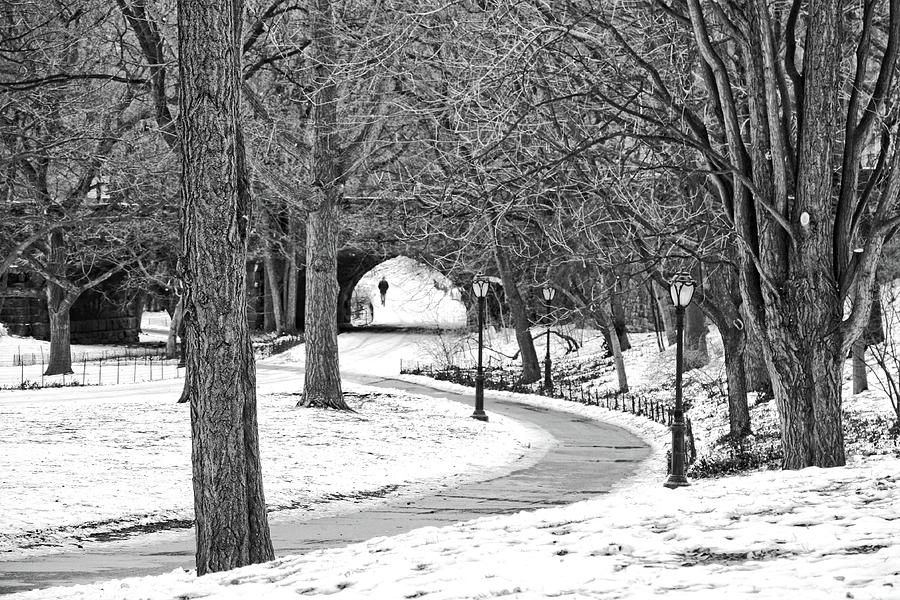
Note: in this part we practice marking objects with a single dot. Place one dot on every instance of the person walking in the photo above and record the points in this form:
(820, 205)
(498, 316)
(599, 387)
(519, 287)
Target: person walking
(383, 288)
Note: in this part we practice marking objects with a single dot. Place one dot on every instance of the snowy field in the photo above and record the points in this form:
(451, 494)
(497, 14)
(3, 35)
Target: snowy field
(81, 463)
(811, 534)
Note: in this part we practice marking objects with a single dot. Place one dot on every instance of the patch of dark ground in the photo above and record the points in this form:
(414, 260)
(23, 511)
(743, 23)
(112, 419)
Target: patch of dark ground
(705, 556)
(112, 530)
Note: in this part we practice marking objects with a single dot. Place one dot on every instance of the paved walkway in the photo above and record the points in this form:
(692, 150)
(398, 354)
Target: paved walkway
(588, 460)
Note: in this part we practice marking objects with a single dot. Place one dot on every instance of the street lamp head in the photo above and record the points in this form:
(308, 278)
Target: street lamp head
(480, 285)
(681, 288)
(549, 293)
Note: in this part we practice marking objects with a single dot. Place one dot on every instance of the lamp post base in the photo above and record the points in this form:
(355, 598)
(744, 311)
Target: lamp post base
(676, 482)
(479, 415)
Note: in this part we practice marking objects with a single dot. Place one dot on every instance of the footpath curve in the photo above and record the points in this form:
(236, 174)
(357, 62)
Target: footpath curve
(588, 459)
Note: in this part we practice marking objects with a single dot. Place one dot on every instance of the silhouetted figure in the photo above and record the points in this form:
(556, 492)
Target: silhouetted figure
(383, 288)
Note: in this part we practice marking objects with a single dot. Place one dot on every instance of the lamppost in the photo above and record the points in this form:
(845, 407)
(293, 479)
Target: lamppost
(480, 286)
(681, 289)
(549, 293)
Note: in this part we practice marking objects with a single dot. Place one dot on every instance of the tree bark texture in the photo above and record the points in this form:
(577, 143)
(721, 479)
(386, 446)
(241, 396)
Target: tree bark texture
(804, 338)
(695, 330)
(860, 382)
(666, 312)
(794, 140)
(531, 368)
(60, 361)
(322, 386)
(220, 380)
(733, 341)
(657, 320)
(757, 372)
(291, 282)
(618, 318)
(59, 303)
(273, 292)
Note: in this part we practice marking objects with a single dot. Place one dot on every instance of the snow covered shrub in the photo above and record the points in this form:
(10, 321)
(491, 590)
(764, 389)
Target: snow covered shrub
(271, 345)
(729, 456)
(866, 434)
(3, 330)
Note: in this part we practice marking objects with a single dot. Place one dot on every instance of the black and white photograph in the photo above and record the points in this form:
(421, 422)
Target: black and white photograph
(456, 300)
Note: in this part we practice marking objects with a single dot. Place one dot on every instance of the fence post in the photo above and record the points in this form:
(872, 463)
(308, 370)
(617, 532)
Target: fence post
(117, 369)
(134, 376)
(100, 372)
(83, 369)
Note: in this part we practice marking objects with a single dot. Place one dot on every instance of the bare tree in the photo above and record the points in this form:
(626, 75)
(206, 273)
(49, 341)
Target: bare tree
(795, 164)
(229, 505)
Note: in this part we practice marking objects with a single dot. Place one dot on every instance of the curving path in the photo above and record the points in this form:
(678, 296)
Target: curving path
(589, 458)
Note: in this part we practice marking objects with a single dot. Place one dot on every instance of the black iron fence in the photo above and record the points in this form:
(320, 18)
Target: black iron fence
(103, 370)
(25, 370)
(643, 403)
(27, 359)
(266, 348)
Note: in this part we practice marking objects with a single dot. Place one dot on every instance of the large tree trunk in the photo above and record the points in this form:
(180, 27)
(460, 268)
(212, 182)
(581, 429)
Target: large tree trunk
(220, 380)
(531, 368)
(802, 320)
(58, 305)
(60, 348)
(806, 384)
(755, 366)
(273, 293)
(322, 385)
(733, 341)
(323, 376)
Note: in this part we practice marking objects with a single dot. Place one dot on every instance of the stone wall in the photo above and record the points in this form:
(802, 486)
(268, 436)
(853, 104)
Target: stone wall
(101, 316)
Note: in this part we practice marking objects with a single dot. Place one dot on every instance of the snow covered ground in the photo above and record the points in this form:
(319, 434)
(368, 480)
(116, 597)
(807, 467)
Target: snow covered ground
(811, 534)
(77, 463)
